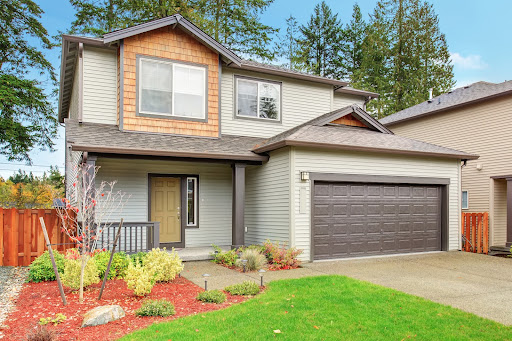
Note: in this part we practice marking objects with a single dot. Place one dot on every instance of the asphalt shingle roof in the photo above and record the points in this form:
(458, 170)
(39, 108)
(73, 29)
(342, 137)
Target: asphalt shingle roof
(460, 96)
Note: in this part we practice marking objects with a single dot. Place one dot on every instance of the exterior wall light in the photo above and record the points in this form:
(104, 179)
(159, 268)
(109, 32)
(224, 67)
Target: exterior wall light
(262, 272)
(304, 176)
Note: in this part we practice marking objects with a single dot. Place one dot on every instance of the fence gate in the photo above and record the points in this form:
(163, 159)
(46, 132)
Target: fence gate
(475, 232)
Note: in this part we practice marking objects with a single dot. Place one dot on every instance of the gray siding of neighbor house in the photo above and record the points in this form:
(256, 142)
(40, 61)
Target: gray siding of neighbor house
(480, 129)
(301, 102)
(100, 86)
(342, 162)
(267, 202)
(214, 194)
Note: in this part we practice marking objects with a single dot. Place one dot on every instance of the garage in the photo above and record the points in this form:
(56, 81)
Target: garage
(356, 219)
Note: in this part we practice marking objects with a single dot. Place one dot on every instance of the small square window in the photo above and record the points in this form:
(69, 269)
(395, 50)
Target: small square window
(465, 200)
(258, 99)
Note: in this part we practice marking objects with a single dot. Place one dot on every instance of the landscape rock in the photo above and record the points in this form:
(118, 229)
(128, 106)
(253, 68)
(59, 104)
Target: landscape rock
(102, 315)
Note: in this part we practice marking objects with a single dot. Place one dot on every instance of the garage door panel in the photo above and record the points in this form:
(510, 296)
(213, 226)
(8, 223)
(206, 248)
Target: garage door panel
(351, 220)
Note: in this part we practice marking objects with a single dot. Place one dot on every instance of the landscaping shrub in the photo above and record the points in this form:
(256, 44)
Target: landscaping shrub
(258, 247)
(139, 279)
(138, 258)
(118, 267)
(255, 259)
(280, 257)
(224, 257)
(212, 296)
(245, 288)
(72, 269)
(41, 333)
(41, 268)
(165, 265)
(58, 318)
(156, 308)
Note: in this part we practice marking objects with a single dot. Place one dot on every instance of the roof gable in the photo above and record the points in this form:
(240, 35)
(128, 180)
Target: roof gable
(176, 20)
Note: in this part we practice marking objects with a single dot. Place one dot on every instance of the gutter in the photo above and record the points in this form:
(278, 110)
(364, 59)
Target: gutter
(110, 150)
(285, 143)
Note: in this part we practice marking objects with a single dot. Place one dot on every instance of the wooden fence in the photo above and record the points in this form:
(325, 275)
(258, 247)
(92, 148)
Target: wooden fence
(475, 232)
(21, 237)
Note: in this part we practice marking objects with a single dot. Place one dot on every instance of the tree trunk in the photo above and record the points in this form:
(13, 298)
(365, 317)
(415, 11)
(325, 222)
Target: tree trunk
(84, 262)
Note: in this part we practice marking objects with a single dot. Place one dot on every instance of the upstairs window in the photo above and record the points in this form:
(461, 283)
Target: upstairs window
(171, 89)
(258, 99)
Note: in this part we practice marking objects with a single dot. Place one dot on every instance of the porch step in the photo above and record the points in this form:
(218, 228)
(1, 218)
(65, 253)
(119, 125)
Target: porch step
(191, 254)
(499, 250)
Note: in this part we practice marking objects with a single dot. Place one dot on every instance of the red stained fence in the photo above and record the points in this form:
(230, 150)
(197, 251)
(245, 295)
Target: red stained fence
(21, 237)
(475, 232)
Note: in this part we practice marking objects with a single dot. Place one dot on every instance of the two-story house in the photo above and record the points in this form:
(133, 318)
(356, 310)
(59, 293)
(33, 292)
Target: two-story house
(474, 118)
(228, 151)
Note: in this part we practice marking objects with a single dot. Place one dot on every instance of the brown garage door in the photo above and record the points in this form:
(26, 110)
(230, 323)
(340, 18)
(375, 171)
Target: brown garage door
(357, 219)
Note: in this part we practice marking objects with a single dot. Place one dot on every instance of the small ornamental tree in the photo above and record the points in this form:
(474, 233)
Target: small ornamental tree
(87, 211)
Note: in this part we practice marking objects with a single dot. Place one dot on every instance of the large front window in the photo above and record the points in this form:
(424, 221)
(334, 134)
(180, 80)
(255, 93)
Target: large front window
(168, 88)
(258, 99)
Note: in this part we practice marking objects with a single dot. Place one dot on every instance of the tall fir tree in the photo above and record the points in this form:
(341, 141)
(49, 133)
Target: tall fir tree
(27, 115)
(321, 44)
(234, 23)
(354, 35)
(288, 45)
(405, 56)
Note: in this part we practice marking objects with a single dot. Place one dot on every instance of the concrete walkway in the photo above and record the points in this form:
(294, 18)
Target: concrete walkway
(474, 283)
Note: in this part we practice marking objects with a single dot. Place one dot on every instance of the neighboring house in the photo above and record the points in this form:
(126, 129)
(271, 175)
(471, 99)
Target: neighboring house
(227, 151)
(476, 119)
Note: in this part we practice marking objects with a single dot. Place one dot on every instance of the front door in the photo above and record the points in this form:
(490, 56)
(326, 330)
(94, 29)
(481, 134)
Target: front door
(165, 207)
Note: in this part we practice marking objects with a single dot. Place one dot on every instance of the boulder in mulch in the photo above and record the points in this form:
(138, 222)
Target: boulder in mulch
(102, 315)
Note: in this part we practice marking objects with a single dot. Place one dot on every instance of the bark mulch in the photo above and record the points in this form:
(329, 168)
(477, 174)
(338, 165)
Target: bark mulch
(37, 300)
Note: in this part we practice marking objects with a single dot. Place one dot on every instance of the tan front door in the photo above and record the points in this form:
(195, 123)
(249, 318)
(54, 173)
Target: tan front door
(165, 208)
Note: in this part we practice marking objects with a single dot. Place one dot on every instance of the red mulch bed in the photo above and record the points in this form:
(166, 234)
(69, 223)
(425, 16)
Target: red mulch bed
(38, 300)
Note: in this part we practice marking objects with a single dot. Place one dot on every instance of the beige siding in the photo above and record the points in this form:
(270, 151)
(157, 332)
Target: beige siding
(100, 86)
(301, 101)
(499, 237)
(480, 129)
(214, 194)
(343, 100)
(267, 204)
(74, 104)
(325, 161)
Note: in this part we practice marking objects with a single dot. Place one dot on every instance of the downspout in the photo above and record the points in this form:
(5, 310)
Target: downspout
(121, 84)
(367, 99)
(80, 82)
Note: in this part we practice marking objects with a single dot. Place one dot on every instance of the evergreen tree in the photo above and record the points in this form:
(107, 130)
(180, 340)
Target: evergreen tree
(234, 23)
(321, 44)
(27, 117)
(288, 45)
(405, 55)
(354, 34)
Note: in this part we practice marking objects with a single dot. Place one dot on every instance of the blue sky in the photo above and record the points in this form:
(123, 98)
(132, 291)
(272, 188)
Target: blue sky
(477, 33)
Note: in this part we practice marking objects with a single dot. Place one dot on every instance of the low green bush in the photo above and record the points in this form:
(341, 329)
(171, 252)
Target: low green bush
(156, 308)
(245, 288)
(139, 279)
(118, 267)
(138, 258)
(41, 268)
(255, 259)
(212, 296)
(224, 257)
(72, 270)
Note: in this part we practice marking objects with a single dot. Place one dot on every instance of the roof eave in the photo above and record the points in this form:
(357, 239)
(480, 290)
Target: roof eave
(295, 143)
(301, 76)
(357, 92)
(145, 152)
(456, 106)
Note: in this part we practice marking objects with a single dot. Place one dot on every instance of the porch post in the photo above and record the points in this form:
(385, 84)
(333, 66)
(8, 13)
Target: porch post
(238, 227)
(509, 212)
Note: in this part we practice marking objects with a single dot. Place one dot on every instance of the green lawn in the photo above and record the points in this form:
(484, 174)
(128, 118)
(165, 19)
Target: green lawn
(329, 308)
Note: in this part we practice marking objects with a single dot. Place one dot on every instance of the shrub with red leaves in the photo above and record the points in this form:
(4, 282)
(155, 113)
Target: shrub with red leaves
(281, 258)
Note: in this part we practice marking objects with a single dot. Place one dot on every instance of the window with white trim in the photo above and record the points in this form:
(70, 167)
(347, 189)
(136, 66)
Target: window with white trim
(465, 200)
(173, 89)
(258, 99)
(192, 201)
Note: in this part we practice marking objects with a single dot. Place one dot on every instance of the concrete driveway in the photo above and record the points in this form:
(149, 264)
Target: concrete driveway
(475, 283)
